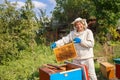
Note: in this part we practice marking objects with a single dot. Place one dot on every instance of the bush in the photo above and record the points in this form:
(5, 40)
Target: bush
(27, 67)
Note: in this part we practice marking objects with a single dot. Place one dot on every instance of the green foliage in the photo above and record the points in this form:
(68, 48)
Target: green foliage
(98, 49)
(43, 22)
(17, 31)
(116, 49)
(27, 67)
(107, 15)
(107, 10)
(67, 10)
(115, 35)
(109, 51)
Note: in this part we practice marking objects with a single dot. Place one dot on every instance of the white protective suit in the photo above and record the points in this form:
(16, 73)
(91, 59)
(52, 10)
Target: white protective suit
(84, 49)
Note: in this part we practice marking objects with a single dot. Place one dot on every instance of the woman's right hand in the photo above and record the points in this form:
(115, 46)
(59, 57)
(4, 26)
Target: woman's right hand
(53, 45)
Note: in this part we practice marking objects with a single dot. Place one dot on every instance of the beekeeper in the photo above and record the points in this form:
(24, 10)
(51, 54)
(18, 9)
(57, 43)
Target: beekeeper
(84, 42)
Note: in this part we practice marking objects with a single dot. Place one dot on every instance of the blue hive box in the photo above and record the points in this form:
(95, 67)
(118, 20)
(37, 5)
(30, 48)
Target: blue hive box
(71, 72)
(74, 74)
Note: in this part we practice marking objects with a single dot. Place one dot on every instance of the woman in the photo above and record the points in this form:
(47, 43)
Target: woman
(84, 43)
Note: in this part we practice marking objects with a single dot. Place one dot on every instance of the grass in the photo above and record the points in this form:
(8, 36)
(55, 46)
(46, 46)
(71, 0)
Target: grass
(27, 67)
(99, 52)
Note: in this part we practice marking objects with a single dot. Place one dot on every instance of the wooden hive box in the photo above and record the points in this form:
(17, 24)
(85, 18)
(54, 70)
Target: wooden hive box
(65, 52)
(71, 72)
(107, 69)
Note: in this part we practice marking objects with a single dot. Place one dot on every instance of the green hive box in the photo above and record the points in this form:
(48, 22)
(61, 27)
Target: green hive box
(117, 60)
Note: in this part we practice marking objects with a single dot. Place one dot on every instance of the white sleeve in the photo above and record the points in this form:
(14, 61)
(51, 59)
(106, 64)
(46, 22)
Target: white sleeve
(64, 40)
(89, 41)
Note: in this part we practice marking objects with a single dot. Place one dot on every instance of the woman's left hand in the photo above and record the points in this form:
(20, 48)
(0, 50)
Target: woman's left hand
(77, 40)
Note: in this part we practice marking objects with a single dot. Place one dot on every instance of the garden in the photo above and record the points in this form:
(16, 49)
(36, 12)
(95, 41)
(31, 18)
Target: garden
(25, 38)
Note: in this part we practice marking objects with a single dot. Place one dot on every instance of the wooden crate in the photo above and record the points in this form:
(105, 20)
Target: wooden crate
(107, 69)
(65, 52)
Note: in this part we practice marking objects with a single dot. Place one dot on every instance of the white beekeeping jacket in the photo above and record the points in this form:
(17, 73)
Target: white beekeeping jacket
(85, 48)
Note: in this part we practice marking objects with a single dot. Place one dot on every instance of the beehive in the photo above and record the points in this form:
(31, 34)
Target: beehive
(65, 52)
(107, 69)
(72, 72)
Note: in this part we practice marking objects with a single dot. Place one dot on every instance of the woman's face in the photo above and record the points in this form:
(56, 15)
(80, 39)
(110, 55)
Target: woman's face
(79, 26)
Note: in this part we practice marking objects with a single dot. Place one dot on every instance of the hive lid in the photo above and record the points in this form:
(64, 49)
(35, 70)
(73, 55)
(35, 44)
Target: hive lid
(117, 60)
(107, 64)
(65, 52)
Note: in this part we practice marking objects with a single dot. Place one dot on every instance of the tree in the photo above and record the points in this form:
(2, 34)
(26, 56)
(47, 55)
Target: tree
(43, 23)
(17, 30)
(107, 14)
(67, 10)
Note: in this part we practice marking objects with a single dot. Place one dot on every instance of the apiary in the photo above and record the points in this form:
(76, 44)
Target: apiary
(65, 52)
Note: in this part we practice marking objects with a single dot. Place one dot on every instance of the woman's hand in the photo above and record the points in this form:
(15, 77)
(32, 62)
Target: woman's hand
(53, 45)
(77, 40)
